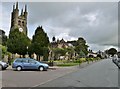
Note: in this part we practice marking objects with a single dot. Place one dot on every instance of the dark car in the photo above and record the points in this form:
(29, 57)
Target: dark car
(28, 63)
(116, 61)
(3, 65)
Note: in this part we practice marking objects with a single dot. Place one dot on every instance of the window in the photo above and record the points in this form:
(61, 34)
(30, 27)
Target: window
(19, 22)
(22, 23)
(25, 60)
(18, 60)
(31, 61)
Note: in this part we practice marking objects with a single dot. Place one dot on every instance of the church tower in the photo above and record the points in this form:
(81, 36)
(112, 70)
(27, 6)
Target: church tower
(19, 21)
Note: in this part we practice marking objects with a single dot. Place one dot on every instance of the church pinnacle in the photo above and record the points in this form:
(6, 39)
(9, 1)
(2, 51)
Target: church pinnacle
(21, 12)
(13, 7)
(25, 8)
(19, 21)
(17, 5)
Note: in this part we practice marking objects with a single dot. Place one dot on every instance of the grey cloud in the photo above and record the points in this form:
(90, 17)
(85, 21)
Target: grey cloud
(73, 20)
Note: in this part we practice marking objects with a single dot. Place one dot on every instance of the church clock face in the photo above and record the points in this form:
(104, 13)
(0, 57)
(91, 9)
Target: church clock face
(20, 29)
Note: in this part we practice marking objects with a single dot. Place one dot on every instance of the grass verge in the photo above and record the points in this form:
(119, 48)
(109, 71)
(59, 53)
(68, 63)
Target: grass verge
(67, 64)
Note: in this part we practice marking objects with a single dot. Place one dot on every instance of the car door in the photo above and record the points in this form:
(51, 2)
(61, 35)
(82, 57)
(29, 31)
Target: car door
(25, 64)
(32, 64)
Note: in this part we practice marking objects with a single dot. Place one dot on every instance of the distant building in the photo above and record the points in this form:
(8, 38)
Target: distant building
(59, 43)
(91, 54)
(19, 21)
(102, 54)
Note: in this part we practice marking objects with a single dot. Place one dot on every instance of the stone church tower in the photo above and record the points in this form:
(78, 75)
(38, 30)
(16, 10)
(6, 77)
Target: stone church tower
(19, 21)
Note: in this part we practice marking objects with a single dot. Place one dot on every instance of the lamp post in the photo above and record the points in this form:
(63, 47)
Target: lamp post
(27, 51)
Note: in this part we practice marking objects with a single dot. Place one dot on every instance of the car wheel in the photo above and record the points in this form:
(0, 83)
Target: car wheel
(19, 68)
(41, 68)
(0, 67)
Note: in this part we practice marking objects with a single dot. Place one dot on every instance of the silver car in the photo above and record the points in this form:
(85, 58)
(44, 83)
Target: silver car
(116, 61)
(3, 65)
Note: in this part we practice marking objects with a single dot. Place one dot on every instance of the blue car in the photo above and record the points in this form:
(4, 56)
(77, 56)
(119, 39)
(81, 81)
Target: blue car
(28, 63)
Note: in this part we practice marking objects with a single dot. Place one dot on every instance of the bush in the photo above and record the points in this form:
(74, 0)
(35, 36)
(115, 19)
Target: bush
(80, 60)
(67, 64)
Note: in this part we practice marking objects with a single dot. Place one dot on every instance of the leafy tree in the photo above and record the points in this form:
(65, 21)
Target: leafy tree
(59, 52)
(71, 52)
(81, 54)
(45, 53)
(3, 52)
(81, 47)
(3, 38)
(30, 50)
(3, 49)
(40, 43)
(18, 42)
(112, 51)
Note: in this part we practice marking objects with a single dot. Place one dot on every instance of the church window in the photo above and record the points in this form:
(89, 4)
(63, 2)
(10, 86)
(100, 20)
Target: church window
(19, 22)
(23, 23)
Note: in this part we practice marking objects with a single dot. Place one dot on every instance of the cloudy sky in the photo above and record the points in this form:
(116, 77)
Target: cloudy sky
(96, 22)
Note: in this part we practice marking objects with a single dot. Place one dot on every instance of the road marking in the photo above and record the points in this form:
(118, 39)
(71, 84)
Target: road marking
(52, 79)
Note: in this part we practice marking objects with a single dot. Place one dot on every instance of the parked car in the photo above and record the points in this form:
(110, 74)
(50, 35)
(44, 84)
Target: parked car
(28, 63)
(116, 61)
(3, 65)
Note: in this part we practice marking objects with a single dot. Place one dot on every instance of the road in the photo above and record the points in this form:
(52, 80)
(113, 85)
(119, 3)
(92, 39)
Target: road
(100, 74)
(33, 78)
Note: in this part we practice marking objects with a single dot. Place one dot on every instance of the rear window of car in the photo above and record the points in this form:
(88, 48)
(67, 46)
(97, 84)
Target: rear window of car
(18, 60)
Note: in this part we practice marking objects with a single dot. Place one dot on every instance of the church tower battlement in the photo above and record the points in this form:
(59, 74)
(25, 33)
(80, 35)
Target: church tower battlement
(19, 21)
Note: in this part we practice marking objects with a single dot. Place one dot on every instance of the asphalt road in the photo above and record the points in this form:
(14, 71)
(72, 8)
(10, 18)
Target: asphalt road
(33, 78)
(100, 74)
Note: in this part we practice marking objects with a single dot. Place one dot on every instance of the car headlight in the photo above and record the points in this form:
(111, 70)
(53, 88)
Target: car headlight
(46, 65)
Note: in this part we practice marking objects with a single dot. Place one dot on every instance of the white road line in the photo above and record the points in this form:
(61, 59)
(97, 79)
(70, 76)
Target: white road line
(51, 80)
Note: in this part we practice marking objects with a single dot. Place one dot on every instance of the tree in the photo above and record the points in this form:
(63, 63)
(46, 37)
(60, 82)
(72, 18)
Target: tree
(71, 52)
(18, 42)
(45, 53)
(59, 52)
(112, 51)
(81, 47)
(30, 50)
(40, 43)
(3, 50)
(3, 38)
